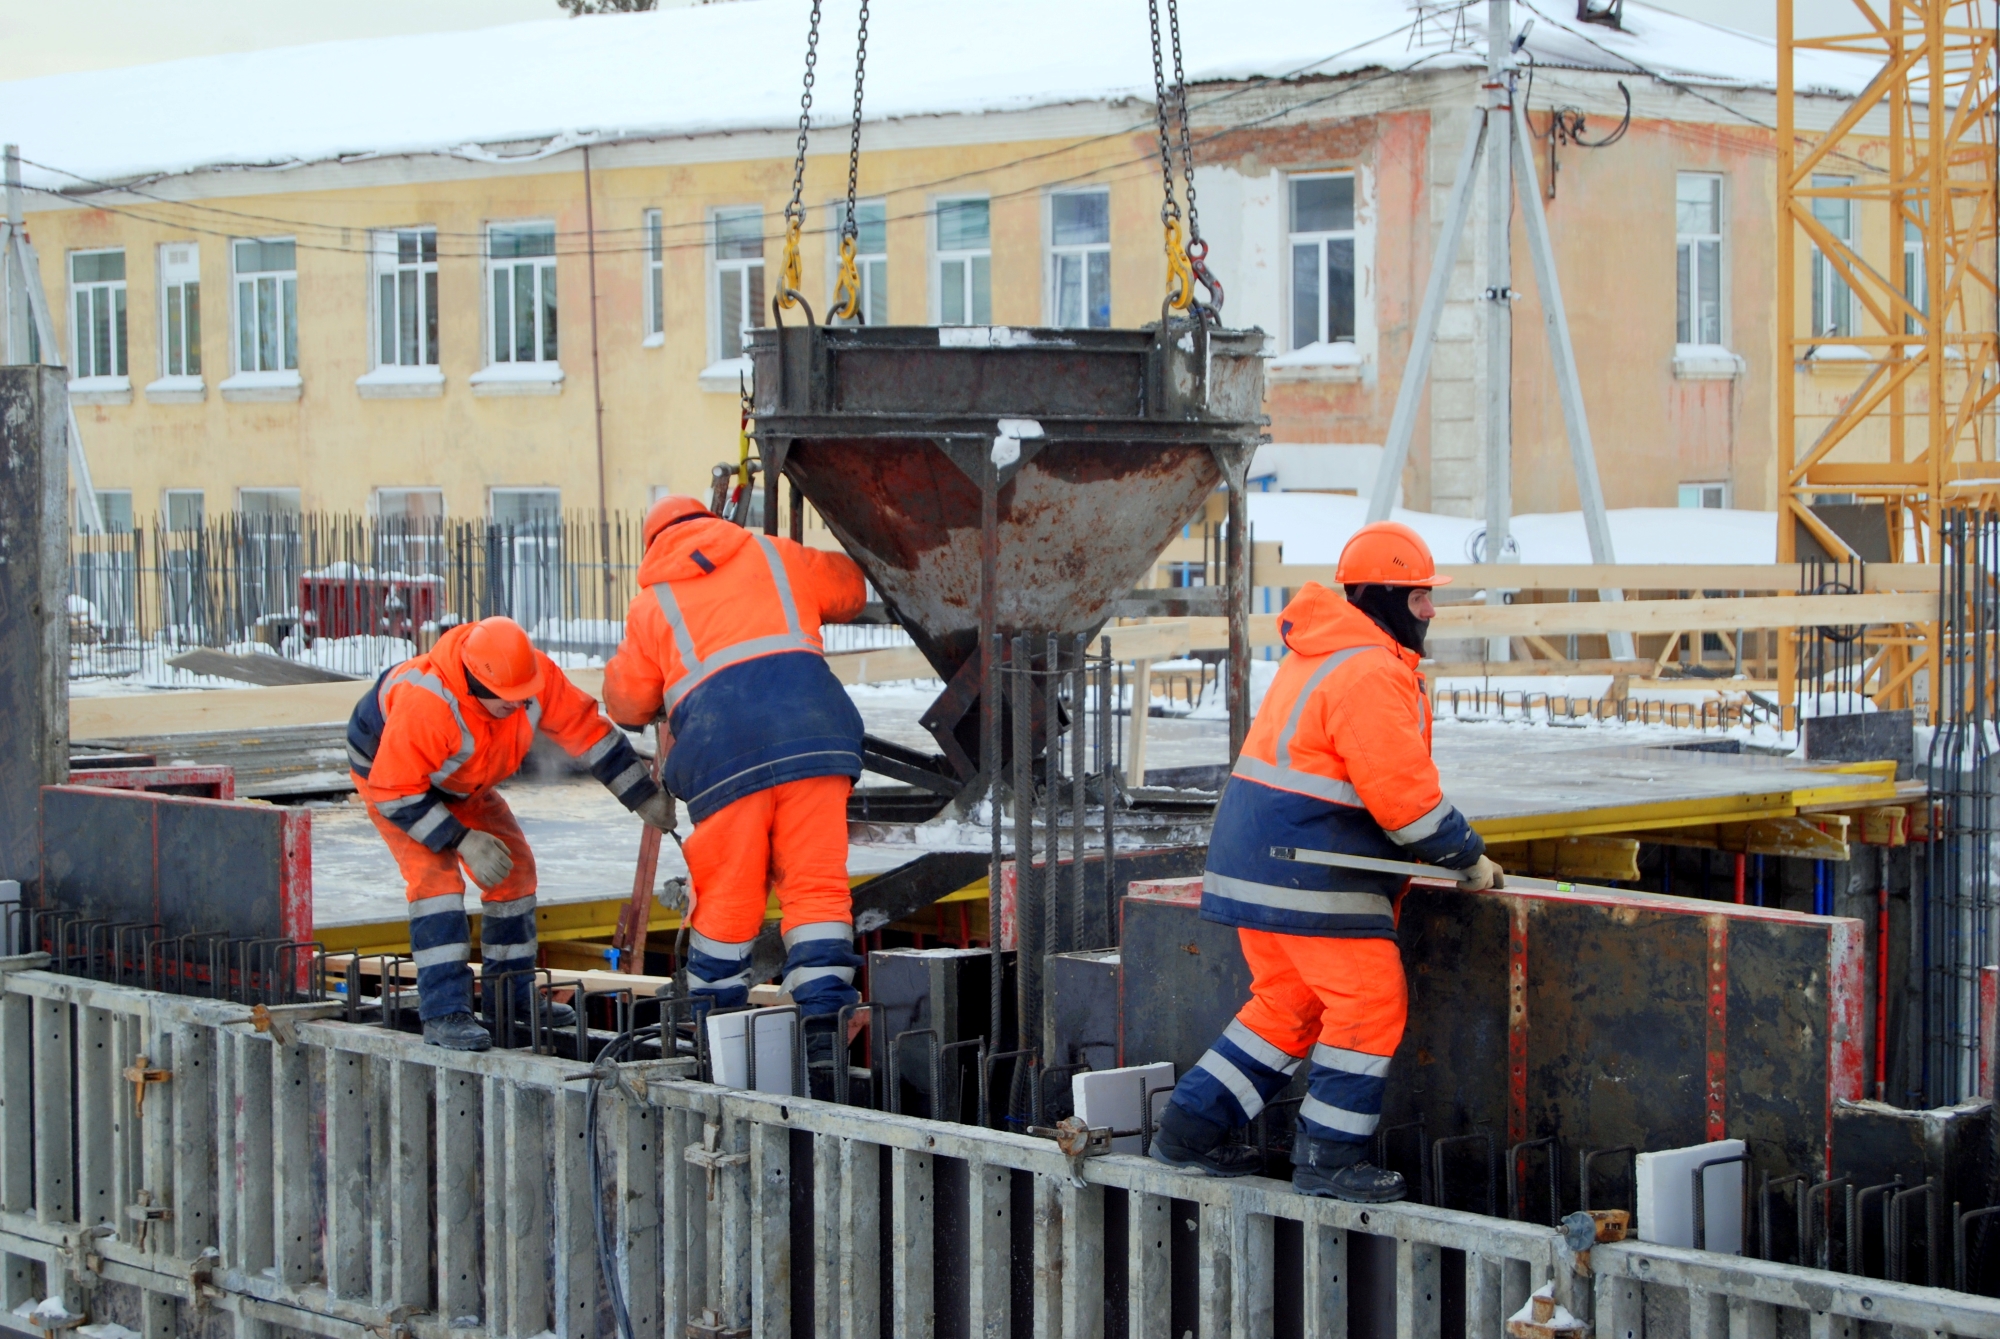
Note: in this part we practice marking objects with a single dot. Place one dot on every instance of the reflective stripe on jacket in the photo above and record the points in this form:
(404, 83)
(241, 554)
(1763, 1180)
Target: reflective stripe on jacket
(1338, 759)
(725, 639)
(419, 738)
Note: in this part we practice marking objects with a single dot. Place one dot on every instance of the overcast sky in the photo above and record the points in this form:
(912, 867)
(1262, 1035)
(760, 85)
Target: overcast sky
(59, 35)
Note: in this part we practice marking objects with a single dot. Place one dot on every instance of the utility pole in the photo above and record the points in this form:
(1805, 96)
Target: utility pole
(1499, 134)
(1499, 296)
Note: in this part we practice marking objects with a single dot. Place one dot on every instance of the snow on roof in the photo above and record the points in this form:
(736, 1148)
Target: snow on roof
(721, 68)
(1314, 527)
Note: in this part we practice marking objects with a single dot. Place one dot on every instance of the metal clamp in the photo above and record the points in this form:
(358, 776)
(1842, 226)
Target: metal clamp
(140, 1073)
(710, 1159)
(1077, 1141)
(709, 1326)
(81, 1248)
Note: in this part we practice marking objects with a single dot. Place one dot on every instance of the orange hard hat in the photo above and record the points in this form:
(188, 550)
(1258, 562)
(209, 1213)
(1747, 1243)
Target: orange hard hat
(1387, 553)
(673, 507)
(498, 654)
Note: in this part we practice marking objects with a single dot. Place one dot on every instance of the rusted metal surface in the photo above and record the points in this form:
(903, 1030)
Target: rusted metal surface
(1107, 442)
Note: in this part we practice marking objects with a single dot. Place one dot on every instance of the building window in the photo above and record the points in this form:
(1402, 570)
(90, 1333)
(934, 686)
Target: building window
(871, 257)
(656, 279)
(180, 310)
(267, 305)
(1080, 258)
(114, 508)
(97, 286)
(183, 508)
(739, 278)
(1322, 239)
(522, 259)
(1832, 299)
(1916, 283)
(964, 260)
(526, 506)
(1712, 496)
(267, 504)
(1698, 242)
(406, 297)
(409, 504)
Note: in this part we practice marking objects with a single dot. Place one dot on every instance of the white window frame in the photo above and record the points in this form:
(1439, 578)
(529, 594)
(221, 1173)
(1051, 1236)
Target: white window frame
(1320, 240)
(745, 273)
(873, 266)
(494, 494)
(180, 309)
(654, 293)
(375, 499)
(1690, 268)
(1695, 495)
(169, 496)
(969, 257)
(1827, 285)
(1059, 255)
(104, 303)
(545, 306)
(386, 265)
(282, 293)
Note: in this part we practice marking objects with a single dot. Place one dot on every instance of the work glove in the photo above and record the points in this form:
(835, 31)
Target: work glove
(658, 810)
(486, 858)
(1482, 876)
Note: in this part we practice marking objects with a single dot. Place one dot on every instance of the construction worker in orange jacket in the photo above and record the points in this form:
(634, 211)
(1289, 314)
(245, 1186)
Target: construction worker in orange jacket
(428, 744)
(1338, 759)
(763, 743)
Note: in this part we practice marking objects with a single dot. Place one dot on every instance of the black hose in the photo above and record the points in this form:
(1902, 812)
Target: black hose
(606, 1264)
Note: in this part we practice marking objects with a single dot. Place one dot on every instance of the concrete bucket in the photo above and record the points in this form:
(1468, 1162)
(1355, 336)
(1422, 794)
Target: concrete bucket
(1095, 447)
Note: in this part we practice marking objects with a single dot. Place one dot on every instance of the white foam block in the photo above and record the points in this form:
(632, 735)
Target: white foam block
(1116, 1098)
(1666, 1196)
(775, 1032)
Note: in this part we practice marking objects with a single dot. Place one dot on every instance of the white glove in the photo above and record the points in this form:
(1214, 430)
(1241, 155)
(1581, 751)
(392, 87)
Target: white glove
(658, 810)
(486, 858)
(1482, 876)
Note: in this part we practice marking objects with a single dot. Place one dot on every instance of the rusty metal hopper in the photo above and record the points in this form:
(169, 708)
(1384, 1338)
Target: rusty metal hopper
(1097, 445)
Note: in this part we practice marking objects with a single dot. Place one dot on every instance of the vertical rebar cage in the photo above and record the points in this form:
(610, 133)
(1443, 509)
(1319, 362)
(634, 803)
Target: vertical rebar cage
(1960, 910)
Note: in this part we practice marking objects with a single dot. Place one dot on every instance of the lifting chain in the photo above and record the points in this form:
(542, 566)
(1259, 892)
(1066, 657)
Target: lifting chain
(792, 276)
(1186, 252)
(847, 289)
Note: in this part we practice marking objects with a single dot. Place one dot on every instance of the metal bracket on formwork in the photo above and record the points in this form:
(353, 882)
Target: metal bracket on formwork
(1077, 1141)
(145, 1213)
(23, 962)
(708, 1325)
(200, 1278)
(79, 1248)
(140, 1073)
(396, 1325)
(56, 1318)
(279, 1021)
(710, 1159)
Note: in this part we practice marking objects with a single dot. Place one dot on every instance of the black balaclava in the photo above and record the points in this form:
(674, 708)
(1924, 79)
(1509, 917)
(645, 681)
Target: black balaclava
(1389, 606)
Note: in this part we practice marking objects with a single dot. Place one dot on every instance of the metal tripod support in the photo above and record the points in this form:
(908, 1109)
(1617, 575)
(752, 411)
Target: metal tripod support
(1499, 135)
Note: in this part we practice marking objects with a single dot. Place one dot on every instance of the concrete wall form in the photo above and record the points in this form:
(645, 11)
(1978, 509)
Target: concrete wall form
(342, 1180)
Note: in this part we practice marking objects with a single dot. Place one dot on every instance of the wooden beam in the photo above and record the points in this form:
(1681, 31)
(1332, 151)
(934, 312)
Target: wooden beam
(1877, 577)
(1591, 859)
(1818, 837)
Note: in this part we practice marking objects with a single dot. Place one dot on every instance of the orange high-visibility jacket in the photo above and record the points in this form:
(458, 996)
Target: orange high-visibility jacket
(725, 638)
(1338, 759)
(419, 738)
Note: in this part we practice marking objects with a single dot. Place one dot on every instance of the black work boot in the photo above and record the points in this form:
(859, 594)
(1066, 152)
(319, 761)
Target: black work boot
(555, 1015)
(1185, 1140)
(1338, 1169)
(824, 1058)
(457, 1032)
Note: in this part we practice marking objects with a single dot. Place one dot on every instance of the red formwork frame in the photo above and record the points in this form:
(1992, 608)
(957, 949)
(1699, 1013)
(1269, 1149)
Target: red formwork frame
(217, 783)
(1846, 985)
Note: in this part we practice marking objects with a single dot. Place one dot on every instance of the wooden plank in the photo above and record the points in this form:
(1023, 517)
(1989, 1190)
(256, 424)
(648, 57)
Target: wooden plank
(222, 709)
(1631, 576)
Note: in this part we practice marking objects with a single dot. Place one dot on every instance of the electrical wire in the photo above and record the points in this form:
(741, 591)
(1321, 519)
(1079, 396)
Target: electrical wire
(604, 1071)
